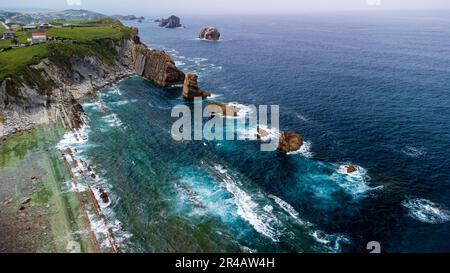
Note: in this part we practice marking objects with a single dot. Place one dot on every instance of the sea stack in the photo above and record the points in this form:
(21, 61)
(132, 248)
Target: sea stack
(171, 22)
(289, 142)
(191, 89)
(156, 66)
(209, 33)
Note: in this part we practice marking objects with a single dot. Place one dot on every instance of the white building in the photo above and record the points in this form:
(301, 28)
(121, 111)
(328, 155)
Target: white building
(38, 37)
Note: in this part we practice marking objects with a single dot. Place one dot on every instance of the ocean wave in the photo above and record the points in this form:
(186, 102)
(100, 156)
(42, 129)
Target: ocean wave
(106, 227)
(305, 150)
(180, 63)
(414, 152)
(289, 209)
(426, 211)
(113, 120)
(354, 183)
(301, 117)
(332, 242)
(123, 102)
(262, 221)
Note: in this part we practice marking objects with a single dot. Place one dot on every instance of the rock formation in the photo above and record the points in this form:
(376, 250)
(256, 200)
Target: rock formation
(104, 196)
(209, 33)
(171, 22)
(289, 142)
(226, 109)
(350, 168)
(190, 88)
(156, 66)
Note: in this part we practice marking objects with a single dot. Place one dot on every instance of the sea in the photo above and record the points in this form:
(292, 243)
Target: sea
(370, 89)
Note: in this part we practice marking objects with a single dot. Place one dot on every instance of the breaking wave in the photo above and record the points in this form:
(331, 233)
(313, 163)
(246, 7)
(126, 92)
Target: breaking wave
(354, 183)
(426, 211)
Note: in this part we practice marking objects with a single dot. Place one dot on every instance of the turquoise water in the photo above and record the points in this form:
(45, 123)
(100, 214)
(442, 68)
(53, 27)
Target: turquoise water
(370, 90)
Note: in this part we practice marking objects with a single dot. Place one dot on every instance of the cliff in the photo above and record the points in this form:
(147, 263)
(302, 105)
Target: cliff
(49, 88)
(156, 66)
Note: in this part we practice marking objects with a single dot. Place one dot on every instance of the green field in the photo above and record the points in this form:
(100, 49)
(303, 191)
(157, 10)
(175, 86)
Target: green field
(88, 41)
(89, 33)
(13, 61)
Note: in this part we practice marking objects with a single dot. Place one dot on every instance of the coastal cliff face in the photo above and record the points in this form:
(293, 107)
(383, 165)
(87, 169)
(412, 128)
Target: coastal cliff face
(51, 90)
(156, 66)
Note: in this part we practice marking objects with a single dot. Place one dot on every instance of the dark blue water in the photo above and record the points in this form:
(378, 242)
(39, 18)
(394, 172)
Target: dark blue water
(366, 89)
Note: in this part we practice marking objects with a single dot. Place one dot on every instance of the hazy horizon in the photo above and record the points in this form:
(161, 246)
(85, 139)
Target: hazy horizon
(223, 6)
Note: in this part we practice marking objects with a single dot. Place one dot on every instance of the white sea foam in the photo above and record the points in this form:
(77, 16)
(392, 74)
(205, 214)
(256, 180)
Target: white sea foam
(262, 221)
(414, 152)
(354, 183)
(426, 211)
(113, 120)
(301, 117)
(123, 102)
(82, 181)
(289, 209)
(180, 63)
(332, 242)
(305, 150)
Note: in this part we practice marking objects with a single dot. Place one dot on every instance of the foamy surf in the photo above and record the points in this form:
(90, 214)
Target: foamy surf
(86, 181)
(262, 221)
(354, 183)
(414, 152)
(305, 150)
(425, 211)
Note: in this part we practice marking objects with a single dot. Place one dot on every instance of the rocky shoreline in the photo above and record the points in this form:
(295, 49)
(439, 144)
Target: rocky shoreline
(24, 106)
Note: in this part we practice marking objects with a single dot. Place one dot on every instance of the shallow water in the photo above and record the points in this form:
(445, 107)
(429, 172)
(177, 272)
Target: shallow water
(367, 90)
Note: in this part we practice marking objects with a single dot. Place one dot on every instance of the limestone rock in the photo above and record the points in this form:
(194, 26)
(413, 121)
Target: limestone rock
(209, 33)
(289, 142)
(171, 22)
(156, 66)
(191, 89)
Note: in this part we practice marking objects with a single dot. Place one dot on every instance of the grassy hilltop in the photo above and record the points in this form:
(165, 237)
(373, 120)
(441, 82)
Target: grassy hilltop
(84, 39)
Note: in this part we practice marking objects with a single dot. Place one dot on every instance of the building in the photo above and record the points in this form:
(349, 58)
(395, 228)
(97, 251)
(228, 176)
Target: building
(45, 26)
(38, 37)
(8, 34)
(29, 27)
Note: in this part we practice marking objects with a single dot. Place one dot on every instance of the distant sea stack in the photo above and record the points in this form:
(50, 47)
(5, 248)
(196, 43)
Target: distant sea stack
(209, 33)
(191, 89)
(171, 22)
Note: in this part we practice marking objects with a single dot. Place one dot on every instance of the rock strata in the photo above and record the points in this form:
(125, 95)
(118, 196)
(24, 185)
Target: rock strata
(156, 66)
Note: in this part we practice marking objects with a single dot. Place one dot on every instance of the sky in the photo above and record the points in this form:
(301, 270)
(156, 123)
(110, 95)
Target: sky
(222, 6)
